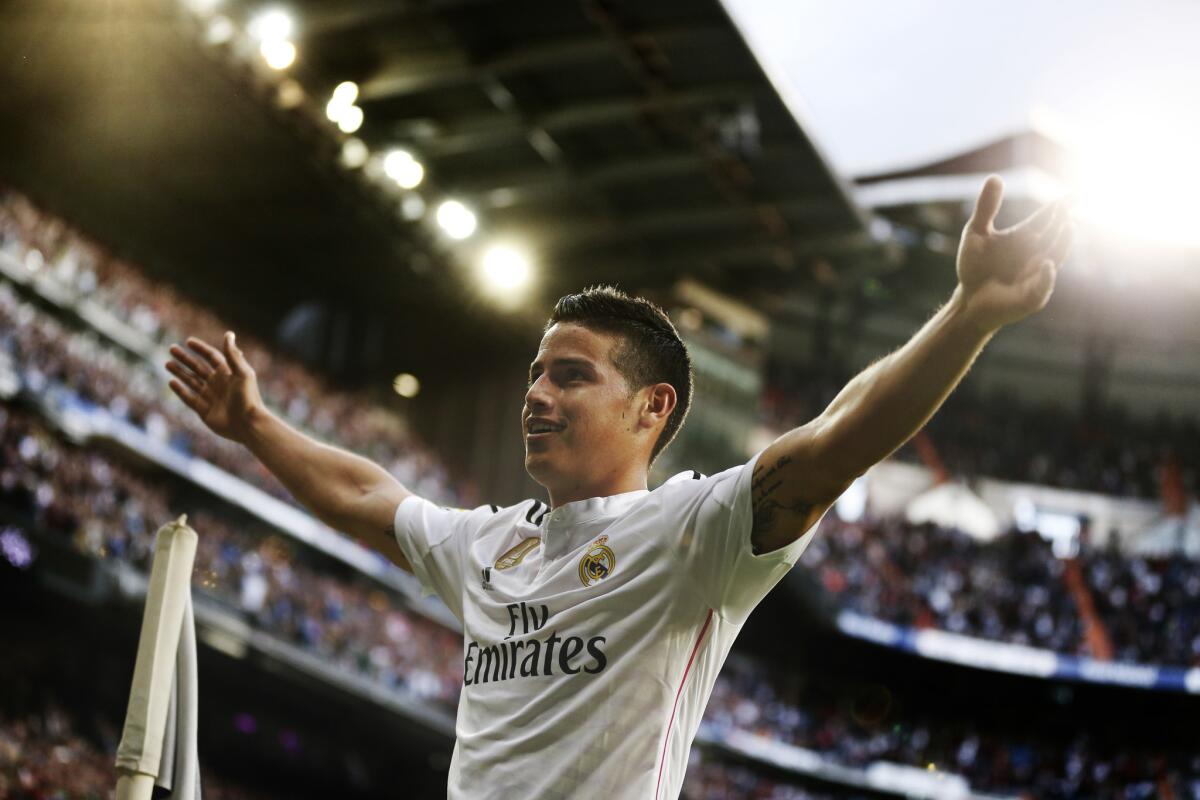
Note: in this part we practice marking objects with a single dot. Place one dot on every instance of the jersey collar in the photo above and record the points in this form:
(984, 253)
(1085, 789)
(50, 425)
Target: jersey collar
(572, 524)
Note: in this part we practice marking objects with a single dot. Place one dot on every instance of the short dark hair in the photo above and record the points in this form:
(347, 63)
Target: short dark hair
(652, 351)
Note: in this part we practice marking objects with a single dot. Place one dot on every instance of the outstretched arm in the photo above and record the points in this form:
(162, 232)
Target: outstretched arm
(1003, 276)
(345, 491)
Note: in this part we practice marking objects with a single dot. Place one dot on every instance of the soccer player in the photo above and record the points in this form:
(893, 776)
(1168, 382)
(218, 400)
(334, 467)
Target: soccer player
(595, 622)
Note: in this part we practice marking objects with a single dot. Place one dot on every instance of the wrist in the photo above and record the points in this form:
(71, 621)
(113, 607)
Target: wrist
(256, 424)
(964, 318)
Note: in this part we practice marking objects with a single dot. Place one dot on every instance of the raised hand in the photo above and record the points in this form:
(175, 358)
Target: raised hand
(1005, 275)
(219, 385)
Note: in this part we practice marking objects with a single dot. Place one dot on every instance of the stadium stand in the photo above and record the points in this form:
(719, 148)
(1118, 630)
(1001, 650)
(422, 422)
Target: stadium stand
(1012, 589)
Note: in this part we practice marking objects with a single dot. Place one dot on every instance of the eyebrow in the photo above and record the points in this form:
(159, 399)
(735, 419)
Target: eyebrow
(579, 362)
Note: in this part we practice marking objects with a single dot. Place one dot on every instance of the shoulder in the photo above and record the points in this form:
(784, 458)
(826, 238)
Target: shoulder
(694, 483)
(441, 521)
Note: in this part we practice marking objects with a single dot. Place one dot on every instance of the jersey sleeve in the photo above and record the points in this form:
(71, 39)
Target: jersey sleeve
(716, 546)
(435, 540)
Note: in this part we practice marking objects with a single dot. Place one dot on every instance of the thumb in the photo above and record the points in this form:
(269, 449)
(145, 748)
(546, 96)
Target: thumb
(237, 360)
(988, 205)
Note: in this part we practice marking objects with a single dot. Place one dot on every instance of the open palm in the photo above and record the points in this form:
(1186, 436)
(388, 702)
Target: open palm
(219, 385)
(1007, 274)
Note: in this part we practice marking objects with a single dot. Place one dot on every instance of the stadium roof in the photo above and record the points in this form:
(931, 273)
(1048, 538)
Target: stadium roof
(621, 141)
(633, 141)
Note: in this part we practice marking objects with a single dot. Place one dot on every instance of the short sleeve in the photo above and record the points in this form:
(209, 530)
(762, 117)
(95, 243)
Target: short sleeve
(436, 542)
(718, 549)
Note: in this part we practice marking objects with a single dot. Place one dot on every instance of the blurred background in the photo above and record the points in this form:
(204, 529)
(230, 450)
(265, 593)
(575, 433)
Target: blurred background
(384, 198)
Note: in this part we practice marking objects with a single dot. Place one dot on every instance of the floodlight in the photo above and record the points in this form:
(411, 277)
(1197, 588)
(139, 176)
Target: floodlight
(406, 385)
(272, 25)
(341, 101)
(456, 220)
(405, 170)
(202, 8)
(345, 93)
(1135, 176)
(354, 153)
(290, 94)
(505, 268)
(278, 53)
(220, 30)
(412, 207)
(350, 120)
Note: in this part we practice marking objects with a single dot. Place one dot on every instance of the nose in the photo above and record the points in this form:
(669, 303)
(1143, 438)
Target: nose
(537, 397)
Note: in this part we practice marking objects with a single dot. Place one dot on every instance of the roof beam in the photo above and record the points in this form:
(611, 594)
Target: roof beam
(435, 139)
(766, 253)
(406, 76)
(509, 188)
(572, 235)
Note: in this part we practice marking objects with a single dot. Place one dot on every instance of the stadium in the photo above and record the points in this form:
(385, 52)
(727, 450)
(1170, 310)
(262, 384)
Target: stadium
(386, 201)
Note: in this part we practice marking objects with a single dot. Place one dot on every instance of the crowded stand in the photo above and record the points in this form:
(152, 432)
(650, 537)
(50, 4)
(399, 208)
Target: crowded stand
(1011, 589)
(56, 357)
(924, 576)
(715, 780)
(919, 576)
(107, 511)
(44, 756)
(857, 725)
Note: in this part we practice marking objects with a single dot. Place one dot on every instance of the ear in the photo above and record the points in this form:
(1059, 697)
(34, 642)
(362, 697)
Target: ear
(660, 400)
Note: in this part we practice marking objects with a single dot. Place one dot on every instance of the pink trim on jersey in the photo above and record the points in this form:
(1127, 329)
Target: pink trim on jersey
(678, 692)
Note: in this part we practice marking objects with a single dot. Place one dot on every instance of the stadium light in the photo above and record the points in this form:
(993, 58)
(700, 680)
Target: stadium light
(272, 25)
(412, 207)
(405, 170)
(456, 220)
(290, 94)
(278, 53)
(505, 268)
(1136, 176)
(220, 30)
(202, 8)
(341, 101)
(354, 153)
(345, 93)
(406, 385)
(350, 120)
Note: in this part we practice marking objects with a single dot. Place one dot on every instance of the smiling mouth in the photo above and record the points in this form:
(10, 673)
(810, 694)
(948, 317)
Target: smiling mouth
(537, 428)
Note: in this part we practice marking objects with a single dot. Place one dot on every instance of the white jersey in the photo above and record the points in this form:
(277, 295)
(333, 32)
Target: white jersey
(593, 633)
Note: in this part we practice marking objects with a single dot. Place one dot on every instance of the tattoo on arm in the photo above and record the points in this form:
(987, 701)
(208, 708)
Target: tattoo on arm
(768, 505)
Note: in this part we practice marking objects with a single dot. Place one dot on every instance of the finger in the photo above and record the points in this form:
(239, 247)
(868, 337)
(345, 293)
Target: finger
(1041, 220)
(209, 353)
(188, 377)
(189, 399)
(237, 360)
(1061, 246)
(196, 365)
(988, 205)
(1051, 234)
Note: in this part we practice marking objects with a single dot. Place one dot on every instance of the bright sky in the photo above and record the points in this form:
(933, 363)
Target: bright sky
(890, 84)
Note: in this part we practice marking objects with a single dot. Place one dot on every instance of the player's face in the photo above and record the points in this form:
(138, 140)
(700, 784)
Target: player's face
(578, 394)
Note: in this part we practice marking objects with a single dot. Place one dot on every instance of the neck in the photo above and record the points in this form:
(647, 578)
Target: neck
(630, 481)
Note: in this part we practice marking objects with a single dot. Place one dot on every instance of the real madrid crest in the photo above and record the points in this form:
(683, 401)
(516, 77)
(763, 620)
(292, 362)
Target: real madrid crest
(597, 563)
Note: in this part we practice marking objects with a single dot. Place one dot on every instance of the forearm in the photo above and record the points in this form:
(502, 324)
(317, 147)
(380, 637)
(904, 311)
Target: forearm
(881, 408)
(328, 481)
